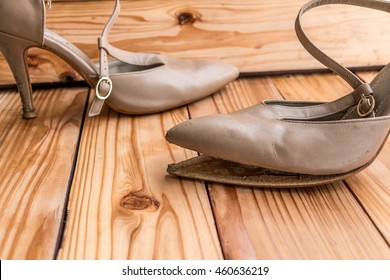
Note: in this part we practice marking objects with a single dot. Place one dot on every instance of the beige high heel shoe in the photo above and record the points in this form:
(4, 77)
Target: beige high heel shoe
(135, 83)
(292, 144)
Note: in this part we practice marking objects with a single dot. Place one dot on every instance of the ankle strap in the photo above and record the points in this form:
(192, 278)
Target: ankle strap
(346, 74)
(104, 72)
(104, 86)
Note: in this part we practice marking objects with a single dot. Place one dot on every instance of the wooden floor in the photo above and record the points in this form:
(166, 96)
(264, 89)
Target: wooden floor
(254, 35)
(96, 188)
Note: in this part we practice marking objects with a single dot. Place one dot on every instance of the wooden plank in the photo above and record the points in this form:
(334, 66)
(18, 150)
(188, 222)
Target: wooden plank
(35, 166)
(324, 222)
(124, 206)
(255, 35)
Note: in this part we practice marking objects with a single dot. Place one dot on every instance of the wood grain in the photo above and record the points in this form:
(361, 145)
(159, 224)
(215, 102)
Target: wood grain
(35, 167)
(325, 222)
(255, 35)
(124, 206)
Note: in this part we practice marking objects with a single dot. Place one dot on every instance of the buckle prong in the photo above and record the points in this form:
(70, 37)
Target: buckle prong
(371, 102)
(48, 3)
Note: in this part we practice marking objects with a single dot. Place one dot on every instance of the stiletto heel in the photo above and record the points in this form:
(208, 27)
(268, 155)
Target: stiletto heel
(293, 144)
(14, 51)
(133, 83)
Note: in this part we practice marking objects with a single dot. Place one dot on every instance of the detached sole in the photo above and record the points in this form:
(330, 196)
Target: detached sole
(206, 168)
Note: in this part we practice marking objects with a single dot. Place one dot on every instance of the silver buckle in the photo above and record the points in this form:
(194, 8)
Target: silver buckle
(371, 102)
(109, 82)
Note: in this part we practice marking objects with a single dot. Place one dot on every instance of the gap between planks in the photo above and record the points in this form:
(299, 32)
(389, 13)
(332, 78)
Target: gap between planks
(35, 166)
(123, 205)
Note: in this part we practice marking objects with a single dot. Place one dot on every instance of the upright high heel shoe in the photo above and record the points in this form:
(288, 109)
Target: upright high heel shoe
(135, 83)
(292, 144)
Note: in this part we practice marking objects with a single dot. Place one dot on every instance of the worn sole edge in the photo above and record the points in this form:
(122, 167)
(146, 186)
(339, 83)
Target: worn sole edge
(206, 168)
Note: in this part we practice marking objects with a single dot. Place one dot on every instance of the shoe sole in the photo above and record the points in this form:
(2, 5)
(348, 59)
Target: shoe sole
(206, 168)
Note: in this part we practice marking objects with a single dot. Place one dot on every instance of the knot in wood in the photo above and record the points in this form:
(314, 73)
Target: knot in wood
(134, 201)
(32, 60)
(187, 17)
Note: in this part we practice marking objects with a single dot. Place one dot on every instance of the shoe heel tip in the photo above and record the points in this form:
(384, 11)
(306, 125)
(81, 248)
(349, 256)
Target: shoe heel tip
(30, 115)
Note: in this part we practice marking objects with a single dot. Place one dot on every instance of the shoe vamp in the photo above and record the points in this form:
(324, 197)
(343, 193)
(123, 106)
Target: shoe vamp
(299, 147)
(153, 90)
(166, 86)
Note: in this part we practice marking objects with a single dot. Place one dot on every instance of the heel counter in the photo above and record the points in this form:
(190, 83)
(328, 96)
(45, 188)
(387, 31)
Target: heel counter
(24, 19)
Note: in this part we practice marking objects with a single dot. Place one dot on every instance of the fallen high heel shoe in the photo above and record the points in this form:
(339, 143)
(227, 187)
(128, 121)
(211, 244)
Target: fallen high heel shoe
(292, 144)
(135, 83)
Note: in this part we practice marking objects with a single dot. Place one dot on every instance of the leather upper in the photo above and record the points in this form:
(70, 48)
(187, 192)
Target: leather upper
(24, 19)
(259, 136)
(168, 83)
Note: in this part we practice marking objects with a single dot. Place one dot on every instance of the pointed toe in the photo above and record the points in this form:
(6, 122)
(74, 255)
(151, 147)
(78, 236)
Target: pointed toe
(182, 134)
(191, 134)
(213, 75)
(207, 135)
